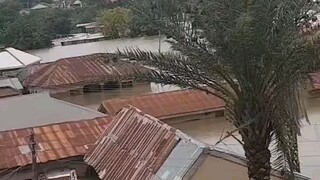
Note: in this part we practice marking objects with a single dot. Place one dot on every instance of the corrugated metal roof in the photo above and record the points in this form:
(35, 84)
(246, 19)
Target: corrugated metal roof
(179, 161)
(12, 58)
(133, 147)
(315, 80)
(83, 70)
(14, 83)
(168, 104)
(137, 146)
(27, 71)
(39, 109)
(54, 142)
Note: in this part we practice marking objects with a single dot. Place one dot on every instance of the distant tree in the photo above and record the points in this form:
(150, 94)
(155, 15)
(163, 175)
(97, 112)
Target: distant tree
(27, 33)
(58, 20)
(115, 21)
(46, 1)
(9, 10)
(36, 30)
(86, 14)
(140, 24)
(98, 3)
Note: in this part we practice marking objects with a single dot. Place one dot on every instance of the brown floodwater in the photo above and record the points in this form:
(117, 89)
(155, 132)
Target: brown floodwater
(309, 142)
(206, 131)
(148, 43)
(210, 131)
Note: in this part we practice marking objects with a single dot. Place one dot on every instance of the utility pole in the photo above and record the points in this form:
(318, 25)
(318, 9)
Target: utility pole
(32, 145)
(159, 24)
(28, 6)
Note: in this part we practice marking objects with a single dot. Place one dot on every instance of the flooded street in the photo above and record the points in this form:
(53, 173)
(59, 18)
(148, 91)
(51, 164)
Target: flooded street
(149, 43)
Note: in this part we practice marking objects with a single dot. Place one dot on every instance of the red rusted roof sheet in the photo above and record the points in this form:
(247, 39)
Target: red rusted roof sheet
(82, 70)
(168, 104)
(315, 81)
(134, 146)
(54, 142)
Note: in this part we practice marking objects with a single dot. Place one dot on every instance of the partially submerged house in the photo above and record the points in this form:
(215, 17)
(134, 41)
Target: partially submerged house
(66, 4)
(92, 27)
(63, 133)
(10, 87)
(40, 6)
(75, 75)
(170, 107)
(76, 4)
(12, 60)
(138, 146)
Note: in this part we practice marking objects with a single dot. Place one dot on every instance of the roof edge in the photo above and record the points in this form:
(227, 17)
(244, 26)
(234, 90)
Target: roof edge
(78, 106)
(148, 94)
(192, 113)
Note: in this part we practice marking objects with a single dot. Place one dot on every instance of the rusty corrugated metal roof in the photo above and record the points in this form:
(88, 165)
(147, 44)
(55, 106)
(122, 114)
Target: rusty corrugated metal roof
(137, 146)
(168, 104)
(83, 70)
(54, 142)
(315, 81)
(134, 146)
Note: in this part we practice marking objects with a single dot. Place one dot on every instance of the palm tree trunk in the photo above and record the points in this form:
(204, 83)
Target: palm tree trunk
(258, 156)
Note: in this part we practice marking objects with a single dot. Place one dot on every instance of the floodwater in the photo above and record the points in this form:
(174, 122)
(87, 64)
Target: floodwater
(210, 131)
(207, 131)
(149, 43)
(309, 142)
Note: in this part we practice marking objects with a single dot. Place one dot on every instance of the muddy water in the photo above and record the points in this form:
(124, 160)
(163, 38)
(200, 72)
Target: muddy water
(209, 131)
(150, 43)
(309, 142)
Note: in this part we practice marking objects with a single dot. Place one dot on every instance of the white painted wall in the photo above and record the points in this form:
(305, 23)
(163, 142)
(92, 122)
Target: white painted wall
(158, 88)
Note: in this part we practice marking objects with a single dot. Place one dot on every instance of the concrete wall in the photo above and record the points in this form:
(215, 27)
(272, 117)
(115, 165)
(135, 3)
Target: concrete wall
(214, 168)
(158, 88)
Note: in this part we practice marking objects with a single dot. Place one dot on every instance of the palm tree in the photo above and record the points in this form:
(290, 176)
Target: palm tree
(251, 54)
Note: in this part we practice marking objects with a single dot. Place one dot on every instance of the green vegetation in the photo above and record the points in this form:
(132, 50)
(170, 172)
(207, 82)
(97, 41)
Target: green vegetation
(37, 29)
(115, 21)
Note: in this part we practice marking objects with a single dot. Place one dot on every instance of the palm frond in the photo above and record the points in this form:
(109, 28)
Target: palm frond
(249, 53)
